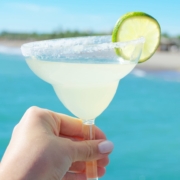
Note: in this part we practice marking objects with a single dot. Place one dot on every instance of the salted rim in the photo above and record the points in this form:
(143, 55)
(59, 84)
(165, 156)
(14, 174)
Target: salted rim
(74, 45)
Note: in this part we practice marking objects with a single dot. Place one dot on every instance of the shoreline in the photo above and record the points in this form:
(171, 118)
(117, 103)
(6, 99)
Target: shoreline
(160, 61)
(13, 43)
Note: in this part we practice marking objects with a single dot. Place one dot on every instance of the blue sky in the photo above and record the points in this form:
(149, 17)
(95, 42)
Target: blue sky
(92, 15)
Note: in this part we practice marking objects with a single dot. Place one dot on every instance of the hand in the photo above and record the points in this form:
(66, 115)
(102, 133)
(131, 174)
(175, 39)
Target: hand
(46, 145)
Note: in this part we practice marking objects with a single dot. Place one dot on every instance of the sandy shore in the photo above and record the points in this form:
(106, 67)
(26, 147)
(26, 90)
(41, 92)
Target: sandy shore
(13, 43)
(159, 61)
(162, 61)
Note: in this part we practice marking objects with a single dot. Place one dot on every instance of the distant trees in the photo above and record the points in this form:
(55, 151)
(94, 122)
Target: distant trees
(40, 36)
(166, 35)
(58, 34)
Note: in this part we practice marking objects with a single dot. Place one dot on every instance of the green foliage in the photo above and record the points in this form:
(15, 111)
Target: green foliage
(56, 35)
(38, 36)
(166, 35)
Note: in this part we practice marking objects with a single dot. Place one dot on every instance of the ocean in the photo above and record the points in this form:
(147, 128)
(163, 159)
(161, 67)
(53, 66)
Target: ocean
(143, 119)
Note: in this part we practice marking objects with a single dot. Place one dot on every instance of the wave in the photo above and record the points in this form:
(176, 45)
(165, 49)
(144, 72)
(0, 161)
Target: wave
(173, 76)
(139, 73)
(10, 50)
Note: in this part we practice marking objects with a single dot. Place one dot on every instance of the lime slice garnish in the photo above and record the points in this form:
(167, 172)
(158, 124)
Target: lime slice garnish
(134, 25)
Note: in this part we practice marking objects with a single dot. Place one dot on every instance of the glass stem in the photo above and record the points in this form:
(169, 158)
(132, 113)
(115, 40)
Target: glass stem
(89, 134)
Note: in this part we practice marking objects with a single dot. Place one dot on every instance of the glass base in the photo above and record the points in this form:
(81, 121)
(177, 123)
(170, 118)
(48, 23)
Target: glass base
(92, 178)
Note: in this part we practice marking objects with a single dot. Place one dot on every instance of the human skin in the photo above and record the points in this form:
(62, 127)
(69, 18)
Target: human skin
(49, 146)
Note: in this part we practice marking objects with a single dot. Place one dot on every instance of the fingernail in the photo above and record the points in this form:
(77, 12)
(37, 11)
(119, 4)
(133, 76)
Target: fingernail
(105, 147)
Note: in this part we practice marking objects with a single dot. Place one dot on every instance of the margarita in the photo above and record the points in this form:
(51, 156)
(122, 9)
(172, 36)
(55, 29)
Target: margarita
(85, 89)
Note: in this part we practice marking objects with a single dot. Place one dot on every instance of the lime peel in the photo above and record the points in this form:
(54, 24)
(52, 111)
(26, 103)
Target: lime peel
(133, 25)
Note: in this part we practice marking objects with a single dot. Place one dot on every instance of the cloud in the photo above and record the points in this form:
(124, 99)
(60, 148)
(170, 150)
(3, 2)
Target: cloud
(46, 18)
(32, 7)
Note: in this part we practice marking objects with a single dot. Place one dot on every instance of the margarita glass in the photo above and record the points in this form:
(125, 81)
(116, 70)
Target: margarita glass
(85, 73)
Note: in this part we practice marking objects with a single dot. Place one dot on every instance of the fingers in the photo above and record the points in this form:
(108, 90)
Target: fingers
(70, 126)
(59, 124)
(81, 166)
(38, 119)
(98, 135)
(78, 166)
(103, 162)
(82, 176)
(90, 150)
(101, 171)
(74, 176)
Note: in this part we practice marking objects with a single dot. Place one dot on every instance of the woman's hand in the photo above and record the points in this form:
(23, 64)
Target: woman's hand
(48, 146)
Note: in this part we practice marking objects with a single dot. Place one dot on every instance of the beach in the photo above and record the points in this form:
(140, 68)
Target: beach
(160, 61)
(166, 61)
(13, 43)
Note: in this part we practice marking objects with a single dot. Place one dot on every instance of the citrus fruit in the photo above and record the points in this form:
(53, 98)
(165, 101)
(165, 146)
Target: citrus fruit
(134, 25)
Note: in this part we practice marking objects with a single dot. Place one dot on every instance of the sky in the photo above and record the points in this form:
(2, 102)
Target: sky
(44, 16)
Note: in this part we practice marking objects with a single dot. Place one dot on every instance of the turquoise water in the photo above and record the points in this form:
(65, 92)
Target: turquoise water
(143, 120)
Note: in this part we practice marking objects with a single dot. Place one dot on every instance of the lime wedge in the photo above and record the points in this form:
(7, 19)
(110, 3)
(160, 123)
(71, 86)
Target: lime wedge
(134, 25)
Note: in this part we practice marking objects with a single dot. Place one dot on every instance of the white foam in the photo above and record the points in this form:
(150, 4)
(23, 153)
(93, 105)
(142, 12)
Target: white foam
(139, 73)
(10, 50)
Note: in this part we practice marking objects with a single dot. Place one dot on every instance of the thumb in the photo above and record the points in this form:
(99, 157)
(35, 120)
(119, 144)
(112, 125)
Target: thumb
(91, 150)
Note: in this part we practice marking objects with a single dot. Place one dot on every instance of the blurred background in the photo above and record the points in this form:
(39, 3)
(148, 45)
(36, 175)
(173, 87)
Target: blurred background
(143, 119)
